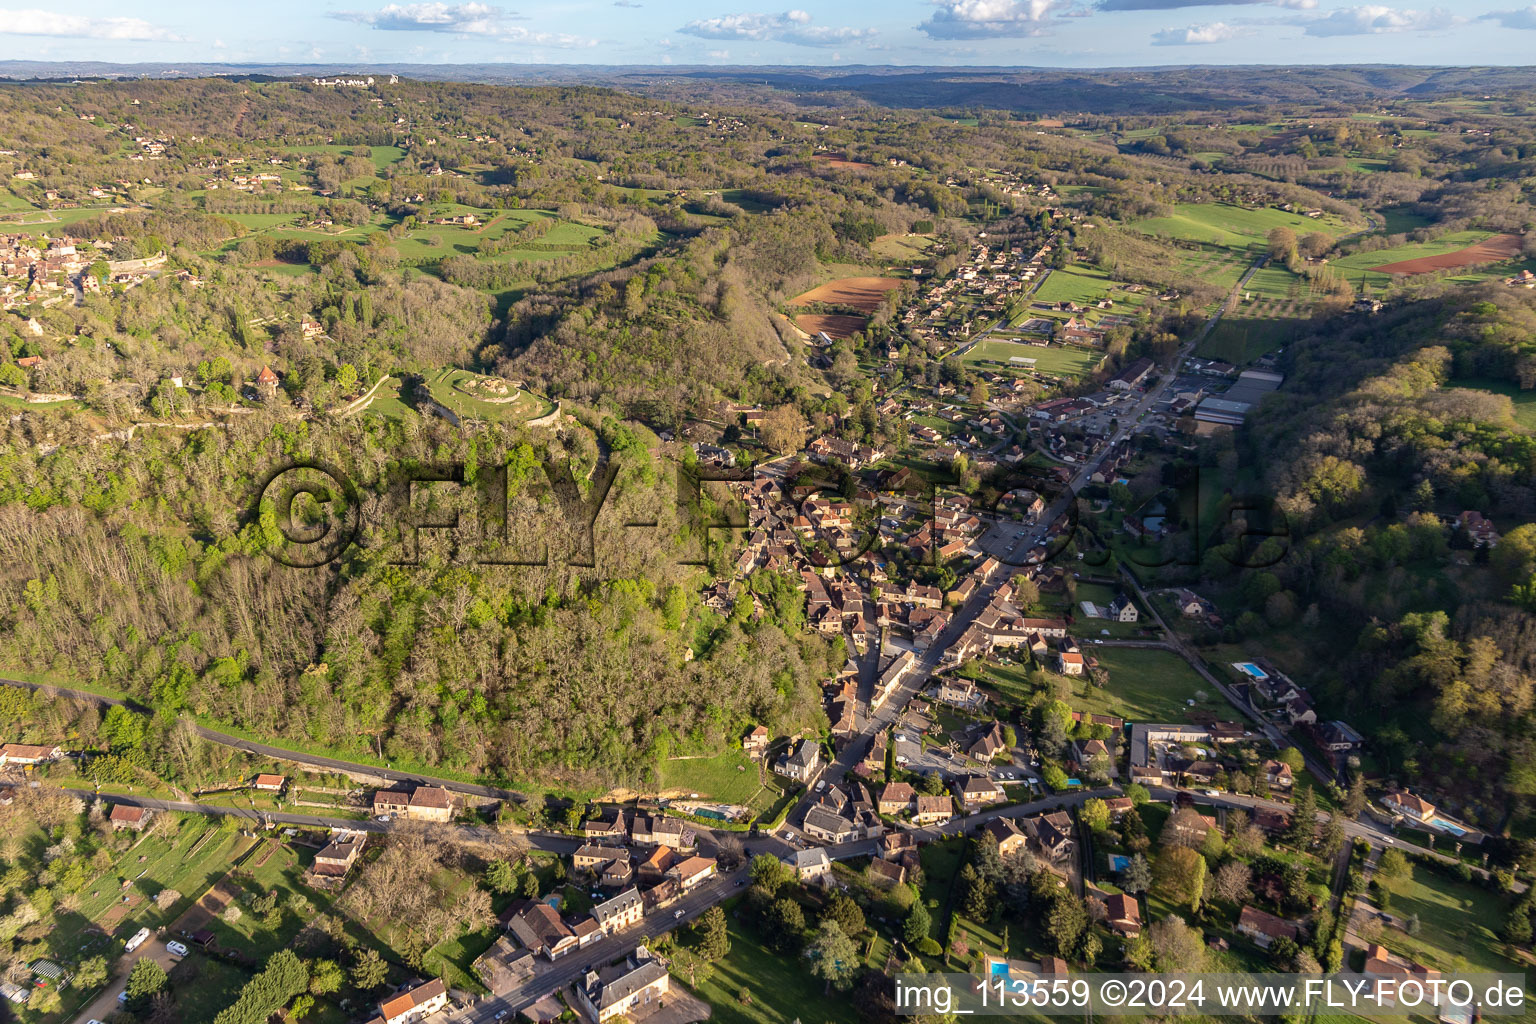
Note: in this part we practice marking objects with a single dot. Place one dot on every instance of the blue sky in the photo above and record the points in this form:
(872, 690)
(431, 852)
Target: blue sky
(1054, 33)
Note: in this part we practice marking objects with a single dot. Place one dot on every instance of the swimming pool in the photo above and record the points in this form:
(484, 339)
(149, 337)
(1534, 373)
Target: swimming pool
(1251, 670)
(1448, 826)
(708, 812)
(1119, 862)
(1074, 782)
(999, 968)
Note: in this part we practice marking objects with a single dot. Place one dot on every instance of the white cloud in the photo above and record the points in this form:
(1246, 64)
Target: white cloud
(469, 19)
(718, 54)
(987, 19)
(34, 22)
(1524, 18)
(790, 27)
(1197, 35)
(1374, 19)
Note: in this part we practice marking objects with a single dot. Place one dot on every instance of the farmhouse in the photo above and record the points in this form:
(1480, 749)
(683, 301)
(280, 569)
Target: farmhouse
(29, 754)
(126, 816)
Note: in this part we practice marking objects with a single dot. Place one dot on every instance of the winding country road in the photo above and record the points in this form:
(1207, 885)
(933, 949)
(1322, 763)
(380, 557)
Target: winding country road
(330, 764)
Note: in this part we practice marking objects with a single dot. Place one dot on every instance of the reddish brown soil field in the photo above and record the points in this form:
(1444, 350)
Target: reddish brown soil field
(859, 292)
(1489, 250)
(837, 160)
(837, 327)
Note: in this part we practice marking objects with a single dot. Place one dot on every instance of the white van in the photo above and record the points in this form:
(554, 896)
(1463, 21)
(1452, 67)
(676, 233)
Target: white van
(139, 938)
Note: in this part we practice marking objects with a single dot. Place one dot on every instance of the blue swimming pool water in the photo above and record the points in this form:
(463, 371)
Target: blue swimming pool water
(1448, 826)
(1074, 782)
(999, 969)
(1248, 668)
(1118, 862)
(705, 812)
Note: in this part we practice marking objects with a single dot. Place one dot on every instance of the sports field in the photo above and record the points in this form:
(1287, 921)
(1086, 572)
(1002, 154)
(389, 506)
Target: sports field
(1061, 360)
(1233, 227)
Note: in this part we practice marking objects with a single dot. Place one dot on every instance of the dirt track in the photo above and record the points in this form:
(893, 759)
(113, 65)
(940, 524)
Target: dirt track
(1489, 250)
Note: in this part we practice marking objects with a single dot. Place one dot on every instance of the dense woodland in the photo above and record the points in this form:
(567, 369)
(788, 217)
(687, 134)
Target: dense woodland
(139, 562)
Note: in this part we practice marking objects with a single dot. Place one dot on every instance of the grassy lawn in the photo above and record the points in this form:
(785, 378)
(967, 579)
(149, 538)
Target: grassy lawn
(1357, 266)
(903, 247)
(281, 870)
(445, 392)
(781, 989)
(1064, 360)
(731, 777)
(204, 985)
(1456, 924)
(1240, 340)
(1524, 401)
(1232, 227)
(1145, 686)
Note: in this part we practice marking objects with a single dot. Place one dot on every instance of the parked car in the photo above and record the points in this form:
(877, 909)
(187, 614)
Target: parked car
(676, 914)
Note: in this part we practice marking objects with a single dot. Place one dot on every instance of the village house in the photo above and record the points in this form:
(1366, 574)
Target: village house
(335, 859)
(627, 988)
(431, 803)
(1409, 806)
(958, 692)
(803, 764)
(1070, 663)
(896, 797)
(622, 911)
(610, 823)
(811, 865)
(127, 816)
(978, 791)
(693, 872)
(657, 863)
(1123, 915)
(28, 754)
(932, 810)
(413, 1004)
(269, 783)
(1278, 774)
(1010, 838)
(591, 858)
(1123, 609)
(1265, 928)
(538, 926)
(391, 802)
(755, 743)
